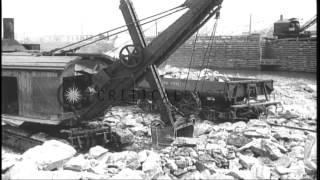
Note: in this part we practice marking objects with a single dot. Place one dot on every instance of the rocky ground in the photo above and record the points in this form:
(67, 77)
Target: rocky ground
(278, 147)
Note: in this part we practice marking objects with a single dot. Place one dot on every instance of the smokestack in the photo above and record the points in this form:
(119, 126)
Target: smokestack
(8, 28)
(281, 17)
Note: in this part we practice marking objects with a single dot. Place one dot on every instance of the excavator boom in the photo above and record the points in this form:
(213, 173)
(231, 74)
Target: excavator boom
(133, 67)
(309, 23)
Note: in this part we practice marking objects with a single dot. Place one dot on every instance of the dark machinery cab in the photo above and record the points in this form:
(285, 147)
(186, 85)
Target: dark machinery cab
(34, 87)
(287, 28)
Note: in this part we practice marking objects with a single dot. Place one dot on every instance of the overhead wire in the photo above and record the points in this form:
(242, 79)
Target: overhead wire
(76, 48)
(117, 28)
(115, 48)
(191, 59)
(211, 45)
(204, 56)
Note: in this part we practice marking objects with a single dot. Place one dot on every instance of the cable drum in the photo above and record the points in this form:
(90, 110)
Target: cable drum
(131, 56)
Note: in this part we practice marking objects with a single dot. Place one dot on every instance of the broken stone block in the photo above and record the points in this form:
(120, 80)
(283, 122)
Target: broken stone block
(186, 151)
(8, 160)
(129, 121)
(50, 155)
(272, 150)
(152, 165)
(237, 140)
(241, 174)
(226, 126)
(171, 165)
(97, 151)
(280, 120)
(185, 141)
(113, 170)
(282, 133)
(283, 161)
(139, 130)
(142, 155)
(247, 161)
(298, 170)
(297, 152)
(234, 164)
(124, 136)
(220, 160)
(201, 128)
(129, 174)
(180, 172)
(88, 175)
(63, 174)
(118, 156)
(213, 148)
(220, 135)
(298, 136)
(238, 126)
(257, 123)
(25, 169)
(274, 175)
(205, 157)
(256, 132)
(287, 115)
(124, 159)
(221, 176)
(78, 163)
(260, 171)
(132, 160)
(181, 162)
(255, 143)
(271, 111)
(205, 174)
(196, 175)
(283, 170)
(191, 168)
(164, 177)
(310, 154)
(192, 153)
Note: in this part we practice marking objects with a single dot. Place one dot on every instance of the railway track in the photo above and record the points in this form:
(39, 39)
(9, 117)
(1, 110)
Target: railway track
(19, 139)
(26, 136)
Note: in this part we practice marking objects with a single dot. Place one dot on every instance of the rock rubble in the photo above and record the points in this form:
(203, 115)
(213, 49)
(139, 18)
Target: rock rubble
(231, 150)
(219, 151)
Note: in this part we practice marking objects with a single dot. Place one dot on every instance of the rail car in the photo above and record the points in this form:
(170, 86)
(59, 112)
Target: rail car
(239, 98)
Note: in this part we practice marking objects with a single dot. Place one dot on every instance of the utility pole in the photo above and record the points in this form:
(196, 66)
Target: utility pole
(250, 24)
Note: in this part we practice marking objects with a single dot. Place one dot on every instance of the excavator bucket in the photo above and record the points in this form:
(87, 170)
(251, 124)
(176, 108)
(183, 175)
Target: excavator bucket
(184, 127)
(162, 135)
(185, 131)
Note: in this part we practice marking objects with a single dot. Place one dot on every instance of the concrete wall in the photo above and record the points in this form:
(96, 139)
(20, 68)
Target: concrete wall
(294, 55)
(246, 52)
(226, 52)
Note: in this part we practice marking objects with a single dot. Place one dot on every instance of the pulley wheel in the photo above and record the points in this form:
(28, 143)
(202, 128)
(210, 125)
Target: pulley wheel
(131, 56)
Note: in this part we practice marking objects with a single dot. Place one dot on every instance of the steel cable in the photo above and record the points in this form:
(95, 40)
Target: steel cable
(205, 53)
(212, 42)
(117, 28)
(191, 59)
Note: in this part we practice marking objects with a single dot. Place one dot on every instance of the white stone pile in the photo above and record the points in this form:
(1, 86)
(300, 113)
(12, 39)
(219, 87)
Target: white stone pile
(192, 74)
(240, 150)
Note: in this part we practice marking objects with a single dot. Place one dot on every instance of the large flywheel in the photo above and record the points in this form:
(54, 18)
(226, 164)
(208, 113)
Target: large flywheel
(131, 56)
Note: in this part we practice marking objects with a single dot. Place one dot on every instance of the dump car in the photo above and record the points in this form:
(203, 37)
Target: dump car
(238, 98)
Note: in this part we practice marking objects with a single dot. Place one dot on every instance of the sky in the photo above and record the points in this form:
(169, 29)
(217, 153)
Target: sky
(36, 18)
